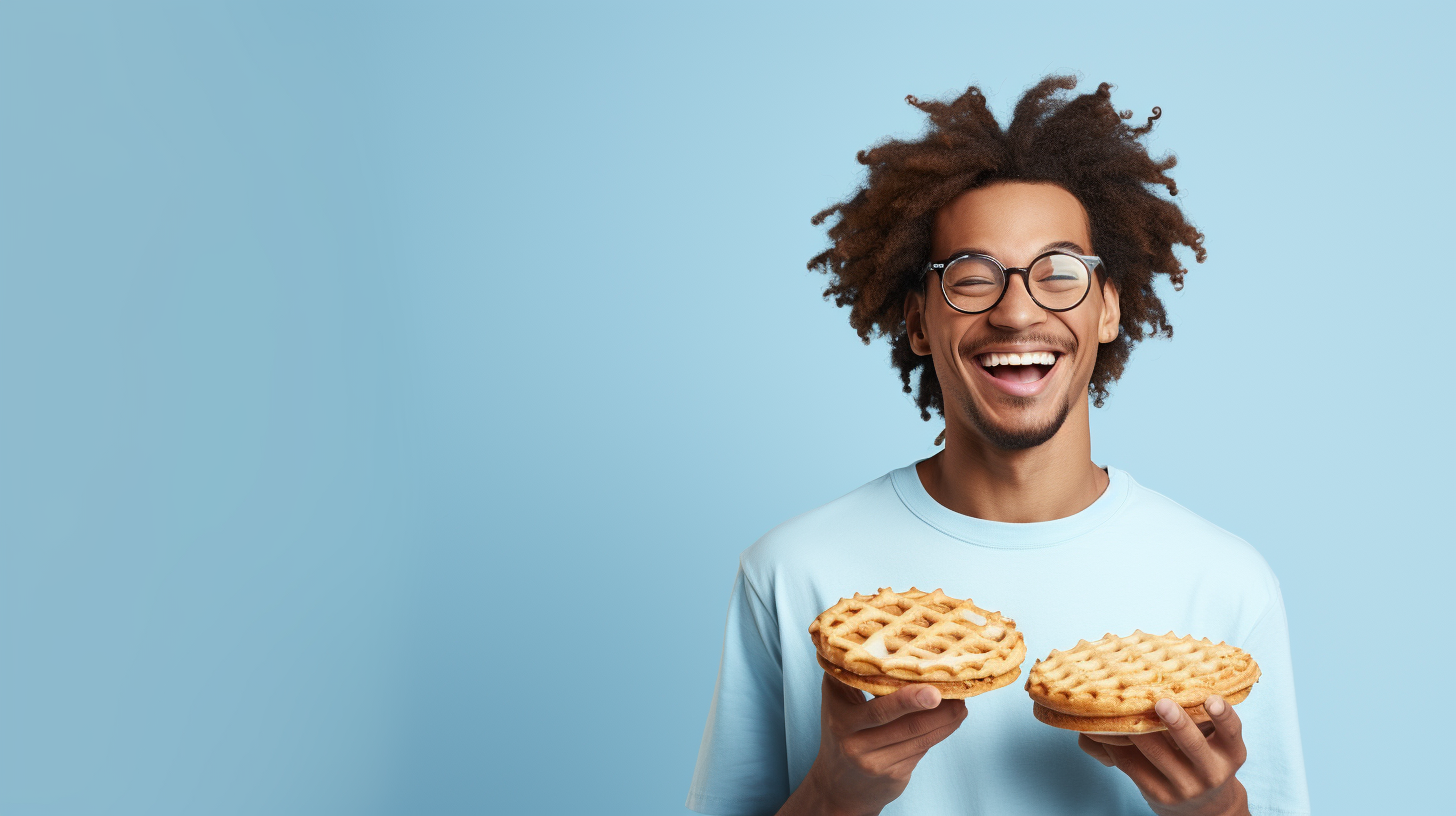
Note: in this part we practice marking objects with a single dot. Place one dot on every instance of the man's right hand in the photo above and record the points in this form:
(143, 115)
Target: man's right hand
(867, 748)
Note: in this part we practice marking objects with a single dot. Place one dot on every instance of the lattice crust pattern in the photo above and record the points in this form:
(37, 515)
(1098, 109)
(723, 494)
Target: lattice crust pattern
(917, 636)
(1127, 675)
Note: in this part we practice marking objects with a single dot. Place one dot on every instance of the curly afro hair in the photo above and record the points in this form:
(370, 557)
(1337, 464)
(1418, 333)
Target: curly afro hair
(881, 239)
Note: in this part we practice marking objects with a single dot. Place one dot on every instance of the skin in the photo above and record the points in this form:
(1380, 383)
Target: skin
(867, 749)
(1186, 770)
(1012, 222)
(1012, 458)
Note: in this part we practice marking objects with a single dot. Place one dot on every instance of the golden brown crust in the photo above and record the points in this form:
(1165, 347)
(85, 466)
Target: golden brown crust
(880, 685)
(1124, 676)
(917, 637)
(1126, 724)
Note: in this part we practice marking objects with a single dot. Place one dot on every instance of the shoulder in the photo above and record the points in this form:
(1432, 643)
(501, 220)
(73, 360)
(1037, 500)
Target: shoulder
(1177, 532)
(822, 532)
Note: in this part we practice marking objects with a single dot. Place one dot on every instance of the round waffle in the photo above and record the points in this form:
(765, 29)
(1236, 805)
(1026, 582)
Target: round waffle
(879, 643)
(1110, 686)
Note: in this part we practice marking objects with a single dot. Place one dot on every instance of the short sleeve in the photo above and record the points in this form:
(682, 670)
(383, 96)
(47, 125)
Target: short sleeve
(742, 765)
(1273, 773)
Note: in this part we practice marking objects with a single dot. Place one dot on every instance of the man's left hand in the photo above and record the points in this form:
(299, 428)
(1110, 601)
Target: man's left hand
(1180, 771)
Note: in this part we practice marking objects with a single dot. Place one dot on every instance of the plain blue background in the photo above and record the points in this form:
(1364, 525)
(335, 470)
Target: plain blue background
(386, 391)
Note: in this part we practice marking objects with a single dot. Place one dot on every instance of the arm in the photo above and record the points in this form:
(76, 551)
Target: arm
(1265, 731)
(868, 749)
(1181, 772)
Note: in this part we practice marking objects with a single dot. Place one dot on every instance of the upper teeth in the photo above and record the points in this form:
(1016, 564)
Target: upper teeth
(1025, 358)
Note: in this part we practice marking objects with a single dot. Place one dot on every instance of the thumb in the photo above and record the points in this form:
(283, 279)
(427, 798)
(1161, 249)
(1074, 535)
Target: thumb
(891, 707)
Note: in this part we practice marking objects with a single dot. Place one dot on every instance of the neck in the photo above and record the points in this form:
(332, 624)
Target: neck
(1053, 480)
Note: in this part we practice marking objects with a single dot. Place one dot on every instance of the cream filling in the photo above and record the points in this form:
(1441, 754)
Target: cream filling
(875, 645)
(971, 616)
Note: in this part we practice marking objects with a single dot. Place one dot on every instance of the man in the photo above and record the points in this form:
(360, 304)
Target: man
(968, 245)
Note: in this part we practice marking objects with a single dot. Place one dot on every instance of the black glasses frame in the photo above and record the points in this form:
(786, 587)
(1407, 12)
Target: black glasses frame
(1092, 262)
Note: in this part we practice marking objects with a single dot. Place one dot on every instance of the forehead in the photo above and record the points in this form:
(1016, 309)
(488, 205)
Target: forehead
(1010, 220)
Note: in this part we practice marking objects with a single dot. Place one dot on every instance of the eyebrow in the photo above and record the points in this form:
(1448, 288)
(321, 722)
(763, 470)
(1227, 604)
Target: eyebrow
(1070, 246)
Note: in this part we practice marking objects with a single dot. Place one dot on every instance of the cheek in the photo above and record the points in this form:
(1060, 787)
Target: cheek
(943, 332)
(947, 364)
(1087, 345)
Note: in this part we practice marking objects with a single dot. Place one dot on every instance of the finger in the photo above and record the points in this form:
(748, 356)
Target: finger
(903, 768)
(910, 727)
(917, 723)
(1186, 736)
(915, 746)
(1228, 729)
(1094, 750)
(1129, 760)
(891, 707)
(1162, 754)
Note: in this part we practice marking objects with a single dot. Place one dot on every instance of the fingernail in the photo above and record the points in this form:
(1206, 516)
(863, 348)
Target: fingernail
(1167, 709)
(928, 698)
(1214, 705)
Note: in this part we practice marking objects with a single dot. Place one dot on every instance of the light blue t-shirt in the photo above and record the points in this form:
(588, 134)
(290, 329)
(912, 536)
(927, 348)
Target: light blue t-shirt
(1131, 560)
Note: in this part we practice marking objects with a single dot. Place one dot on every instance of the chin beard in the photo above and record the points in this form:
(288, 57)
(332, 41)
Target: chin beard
(1014, 439)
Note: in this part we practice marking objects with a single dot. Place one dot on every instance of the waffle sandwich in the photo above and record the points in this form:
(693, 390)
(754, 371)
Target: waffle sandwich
(1110, 686)
(880, 643)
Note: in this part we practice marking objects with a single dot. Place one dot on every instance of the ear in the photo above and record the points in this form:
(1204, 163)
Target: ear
(915, 322)
(1111, 313)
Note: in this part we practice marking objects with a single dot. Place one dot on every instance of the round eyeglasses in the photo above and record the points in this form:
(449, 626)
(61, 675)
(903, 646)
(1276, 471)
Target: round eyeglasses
(972, 283)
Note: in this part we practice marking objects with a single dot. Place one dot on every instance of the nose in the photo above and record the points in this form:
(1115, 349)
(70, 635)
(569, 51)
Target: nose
(1017, 310)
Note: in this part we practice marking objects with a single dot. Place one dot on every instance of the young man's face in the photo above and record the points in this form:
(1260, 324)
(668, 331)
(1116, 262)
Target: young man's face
(1012, 407)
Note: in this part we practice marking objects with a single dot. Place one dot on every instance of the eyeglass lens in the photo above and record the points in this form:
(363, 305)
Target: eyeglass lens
(1055, 282)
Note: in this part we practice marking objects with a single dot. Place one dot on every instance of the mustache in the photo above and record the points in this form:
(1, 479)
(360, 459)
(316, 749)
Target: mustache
(1066, 345)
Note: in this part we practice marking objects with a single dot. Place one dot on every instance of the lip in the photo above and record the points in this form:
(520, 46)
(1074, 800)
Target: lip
(1019, 349)
(1016, 389)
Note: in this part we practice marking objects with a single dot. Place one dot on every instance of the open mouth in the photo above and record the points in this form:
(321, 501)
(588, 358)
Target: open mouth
(1023, 369)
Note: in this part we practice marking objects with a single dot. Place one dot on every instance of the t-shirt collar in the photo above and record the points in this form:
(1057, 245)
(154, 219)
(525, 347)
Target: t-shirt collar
(1003, 534)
